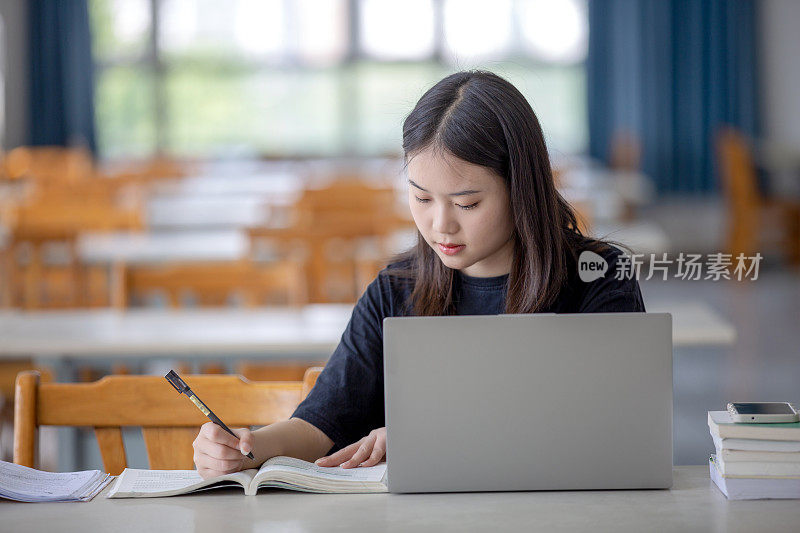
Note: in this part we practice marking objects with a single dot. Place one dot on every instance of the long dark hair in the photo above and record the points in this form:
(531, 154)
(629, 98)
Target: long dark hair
(481, 118)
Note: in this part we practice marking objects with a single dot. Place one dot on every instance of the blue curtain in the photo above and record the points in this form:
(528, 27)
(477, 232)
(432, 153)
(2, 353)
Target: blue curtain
(672, 72)
(61, 74)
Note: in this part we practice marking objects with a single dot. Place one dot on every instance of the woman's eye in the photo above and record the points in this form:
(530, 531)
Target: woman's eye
(464, 207)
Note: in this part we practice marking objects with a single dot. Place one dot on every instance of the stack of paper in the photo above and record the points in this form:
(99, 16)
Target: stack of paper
(28, 485)
(755, 461)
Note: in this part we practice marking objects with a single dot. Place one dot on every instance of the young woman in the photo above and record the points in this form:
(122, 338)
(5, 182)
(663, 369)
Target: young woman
(494, 237)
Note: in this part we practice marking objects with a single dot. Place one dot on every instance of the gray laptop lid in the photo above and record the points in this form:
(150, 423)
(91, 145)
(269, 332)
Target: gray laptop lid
(528, 402)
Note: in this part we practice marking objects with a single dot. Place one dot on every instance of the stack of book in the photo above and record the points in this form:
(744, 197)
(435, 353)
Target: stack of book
(755, 461)
(25, 484)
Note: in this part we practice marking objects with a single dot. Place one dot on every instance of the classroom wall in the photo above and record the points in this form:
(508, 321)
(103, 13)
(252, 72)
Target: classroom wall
(15, 60)
(780, 71)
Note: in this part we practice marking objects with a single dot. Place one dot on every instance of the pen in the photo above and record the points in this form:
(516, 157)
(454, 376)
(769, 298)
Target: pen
(182, 388)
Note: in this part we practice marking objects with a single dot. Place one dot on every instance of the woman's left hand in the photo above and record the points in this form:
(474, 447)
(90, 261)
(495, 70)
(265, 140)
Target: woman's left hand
(368, 451)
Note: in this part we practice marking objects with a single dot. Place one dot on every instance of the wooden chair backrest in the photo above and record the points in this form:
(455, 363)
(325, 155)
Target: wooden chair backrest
(114, 192)
(55, 164)
(626, 151)
(329, 225)
(737, 170)
(344, 196)
(169, 421)
(213, 283)
(743, 200)
(9, 369)
(29, 281)
(147, 170)
(54, 219)
(275, 371)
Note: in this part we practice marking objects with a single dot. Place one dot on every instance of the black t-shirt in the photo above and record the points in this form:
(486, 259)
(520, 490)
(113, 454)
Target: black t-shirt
(347, 401)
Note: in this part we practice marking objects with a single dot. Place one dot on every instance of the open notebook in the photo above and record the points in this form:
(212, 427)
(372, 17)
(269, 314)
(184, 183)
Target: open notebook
(278, 472)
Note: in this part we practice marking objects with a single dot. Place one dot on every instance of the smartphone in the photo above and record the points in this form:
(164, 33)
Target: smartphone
(763, 412)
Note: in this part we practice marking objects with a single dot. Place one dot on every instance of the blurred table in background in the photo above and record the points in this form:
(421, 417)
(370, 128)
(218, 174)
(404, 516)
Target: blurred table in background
(269, 332)
(641, 237)
(163, 246)
(266, 332)
(212, 212)
(781, 163)
(614, 194)
(695, 323)
(612, 200)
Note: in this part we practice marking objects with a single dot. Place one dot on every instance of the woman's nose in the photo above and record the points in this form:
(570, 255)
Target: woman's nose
(444, 222)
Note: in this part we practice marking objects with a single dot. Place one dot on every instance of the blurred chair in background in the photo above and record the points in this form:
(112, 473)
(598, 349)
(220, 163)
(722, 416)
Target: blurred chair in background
(277, 371)
(626, 151)
(213, 284)
(625, 159)
(169, 422)
(64, 196)
(749, 212)
(583, 211)
(148, 170)
(49, 164)
(247, 282)
(336, 227)
(41, 263)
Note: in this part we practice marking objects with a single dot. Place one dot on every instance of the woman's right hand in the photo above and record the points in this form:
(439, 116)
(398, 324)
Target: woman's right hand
(217, 452)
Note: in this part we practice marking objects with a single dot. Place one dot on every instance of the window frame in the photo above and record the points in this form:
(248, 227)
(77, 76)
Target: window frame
(152, 60)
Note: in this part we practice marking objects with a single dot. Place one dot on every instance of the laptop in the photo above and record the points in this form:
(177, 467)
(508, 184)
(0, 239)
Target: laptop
(528, 402)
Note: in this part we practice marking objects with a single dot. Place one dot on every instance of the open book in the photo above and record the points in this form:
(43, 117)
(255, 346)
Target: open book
(278, 472)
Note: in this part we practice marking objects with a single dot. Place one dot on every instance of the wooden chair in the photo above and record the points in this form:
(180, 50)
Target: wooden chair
(9, 368)
(625, 152)
(148, 170)
(329, 225)
(213, 284)
(625, 156)
(169, 421)
(54, 164)
(583, 212)
(278, 371)
(747, 208)
(33, 282)
(348, 196)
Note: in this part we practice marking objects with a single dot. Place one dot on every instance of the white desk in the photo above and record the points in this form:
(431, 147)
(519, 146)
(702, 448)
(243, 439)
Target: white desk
(641, 237)
(163, 247)
(693, 504)
(313, 329)
(267, 332)
(695, 323)
(207, 212)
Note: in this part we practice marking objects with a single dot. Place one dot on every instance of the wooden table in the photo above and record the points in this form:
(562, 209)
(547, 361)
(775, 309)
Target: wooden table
(693, 504)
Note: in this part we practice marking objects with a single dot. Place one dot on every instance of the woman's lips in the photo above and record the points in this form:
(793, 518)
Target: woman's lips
(451, 249)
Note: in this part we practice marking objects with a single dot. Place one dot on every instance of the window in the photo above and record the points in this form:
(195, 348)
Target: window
(319, 77)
